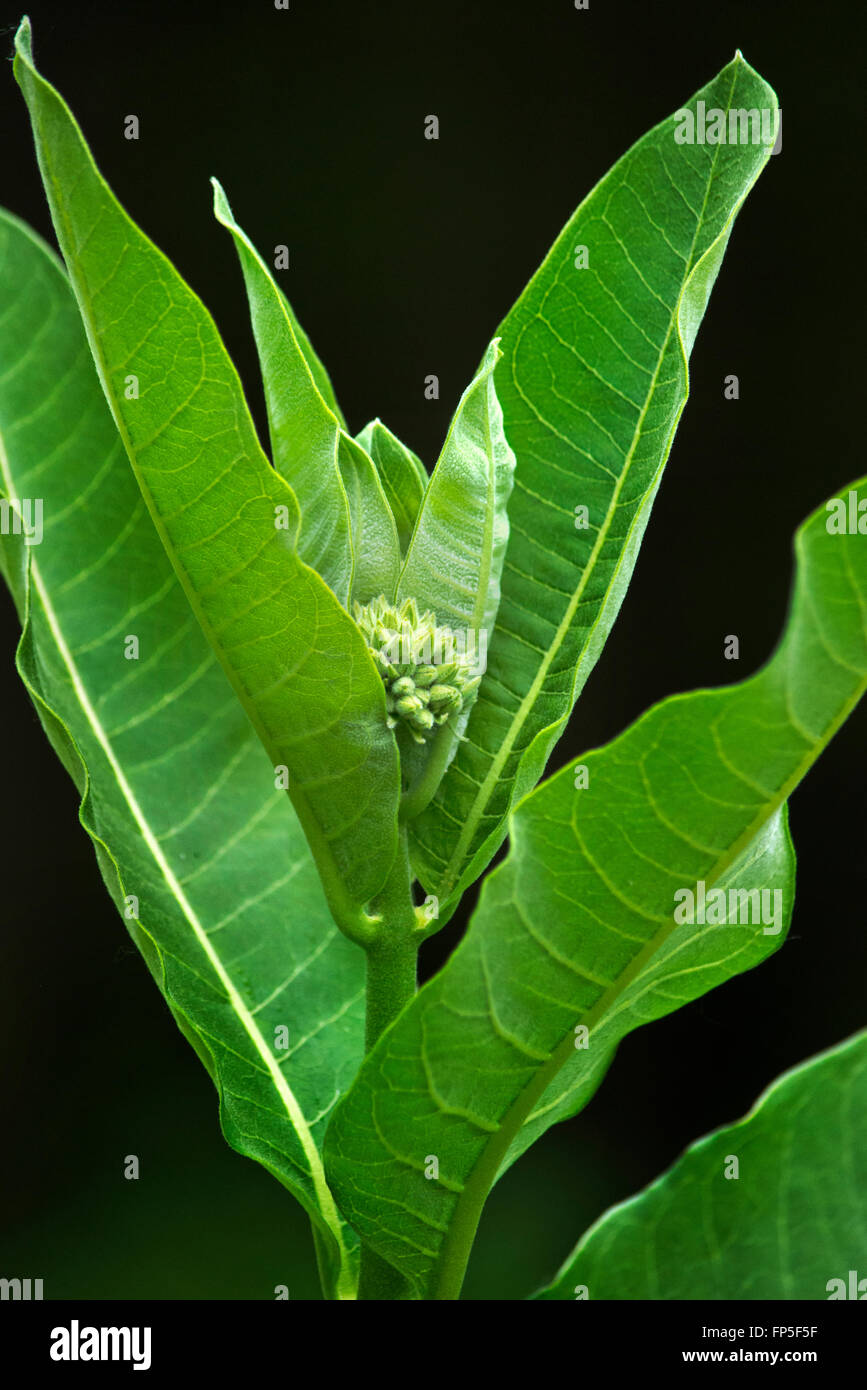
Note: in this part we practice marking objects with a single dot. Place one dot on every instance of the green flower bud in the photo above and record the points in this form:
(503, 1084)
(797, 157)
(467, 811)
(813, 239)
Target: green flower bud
(445, 695)
(446, 673)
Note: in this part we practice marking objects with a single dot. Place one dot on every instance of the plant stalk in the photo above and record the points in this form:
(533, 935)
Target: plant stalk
(391, 984)
(419, 796)
(392, 954)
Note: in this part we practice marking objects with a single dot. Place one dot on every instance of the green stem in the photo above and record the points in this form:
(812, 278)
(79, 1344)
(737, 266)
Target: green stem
(391, 955)
(391, 984)
(414, 801)
(325, 1279)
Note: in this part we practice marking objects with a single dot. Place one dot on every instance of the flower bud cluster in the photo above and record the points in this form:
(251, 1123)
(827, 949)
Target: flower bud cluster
(427, 678)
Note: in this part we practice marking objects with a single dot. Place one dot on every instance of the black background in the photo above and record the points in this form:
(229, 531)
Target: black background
(405, 254)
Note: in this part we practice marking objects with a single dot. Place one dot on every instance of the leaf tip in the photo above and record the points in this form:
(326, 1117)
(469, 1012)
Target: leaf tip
(24, 31)
(221, 202)
(740, 61)
(23, 39)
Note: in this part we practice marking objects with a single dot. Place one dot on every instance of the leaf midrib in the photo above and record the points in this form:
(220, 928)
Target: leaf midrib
(290, 1102)
(340, 901)
(477, 1187)
(451, 872)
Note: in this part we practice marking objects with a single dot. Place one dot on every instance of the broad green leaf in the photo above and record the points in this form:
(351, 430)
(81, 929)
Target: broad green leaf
(294, 656)
(374, 533)
(592, 382)
(790, 1223)
(401, 473)
(177, 793)
(577, 927)
(692, 961)
(304, 429)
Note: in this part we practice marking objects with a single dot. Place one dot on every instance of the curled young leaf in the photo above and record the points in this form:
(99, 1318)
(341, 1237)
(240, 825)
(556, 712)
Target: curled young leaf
(375, 548)
(303, 426)
(401, 473)
(455, 557)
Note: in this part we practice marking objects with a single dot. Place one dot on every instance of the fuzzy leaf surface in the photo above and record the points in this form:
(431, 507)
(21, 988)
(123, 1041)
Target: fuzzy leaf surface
(402, 474)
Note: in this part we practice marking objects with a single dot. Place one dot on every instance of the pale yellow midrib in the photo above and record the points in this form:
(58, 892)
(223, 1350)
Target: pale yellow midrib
(293, 1109)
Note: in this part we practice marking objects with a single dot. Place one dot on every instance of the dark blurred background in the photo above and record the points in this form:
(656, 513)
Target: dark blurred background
(405, 253)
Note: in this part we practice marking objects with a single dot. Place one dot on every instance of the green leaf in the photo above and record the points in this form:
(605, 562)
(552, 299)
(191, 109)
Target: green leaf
(791, 1224)
(456, 553)
(577, 927)
(293, 655)
(347, 530)
(317, 368)
(592, 382)
(455, 557)
(304, 429)
(401, 473)
(177, 793)
(374, 533)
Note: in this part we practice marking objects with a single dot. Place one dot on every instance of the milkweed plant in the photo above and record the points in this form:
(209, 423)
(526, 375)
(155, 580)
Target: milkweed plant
(307, 698)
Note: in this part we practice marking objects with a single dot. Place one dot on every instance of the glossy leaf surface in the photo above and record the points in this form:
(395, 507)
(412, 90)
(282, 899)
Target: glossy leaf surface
(789, 1221)
(203, 856)
(592, 382)
(228, 521)
(578, 927)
